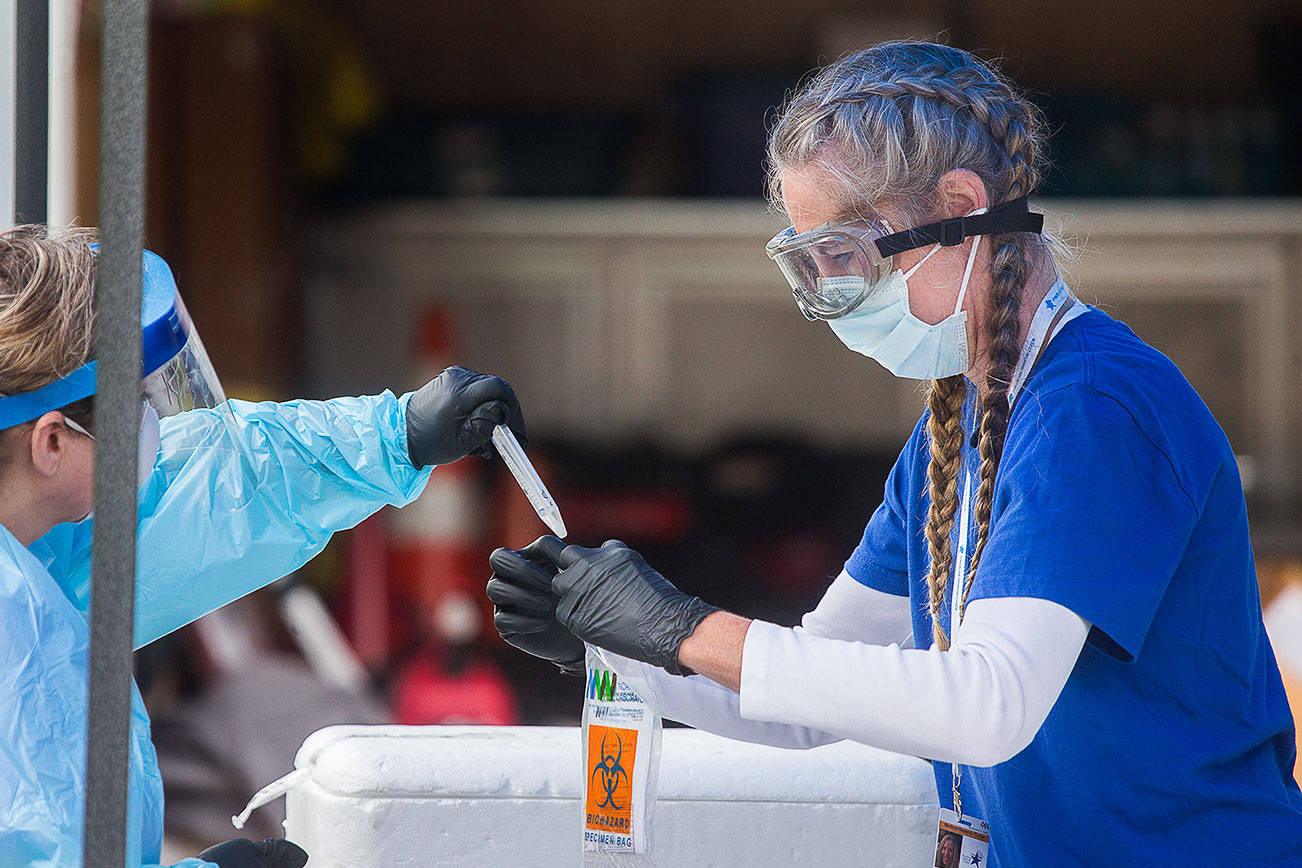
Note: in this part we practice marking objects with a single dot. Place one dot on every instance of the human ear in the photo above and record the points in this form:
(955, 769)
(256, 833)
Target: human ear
(48, 442)
(961, 192)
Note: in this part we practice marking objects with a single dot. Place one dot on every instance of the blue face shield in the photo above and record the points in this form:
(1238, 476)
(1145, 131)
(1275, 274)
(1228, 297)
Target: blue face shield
(175, 372)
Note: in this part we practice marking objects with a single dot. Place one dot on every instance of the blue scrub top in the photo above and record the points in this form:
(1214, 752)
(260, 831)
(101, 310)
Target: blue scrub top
(1118, 497)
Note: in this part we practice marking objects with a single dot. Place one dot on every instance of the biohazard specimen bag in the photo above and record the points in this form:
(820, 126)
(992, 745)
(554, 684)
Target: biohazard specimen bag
(621, 762)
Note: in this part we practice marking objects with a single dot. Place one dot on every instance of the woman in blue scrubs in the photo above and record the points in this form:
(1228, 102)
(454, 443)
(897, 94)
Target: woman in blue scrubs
(1063, 541)
(233, 495)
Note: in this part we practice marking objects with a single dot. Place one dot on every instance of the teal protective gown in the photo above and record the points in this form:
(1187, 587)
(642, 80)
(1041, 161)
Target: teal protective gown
(237, 499)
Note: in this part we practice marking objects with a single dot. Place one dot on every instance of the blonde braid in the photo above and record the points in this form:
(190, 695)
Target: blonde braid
(1010, 268)
(945, 429)
(995, 107)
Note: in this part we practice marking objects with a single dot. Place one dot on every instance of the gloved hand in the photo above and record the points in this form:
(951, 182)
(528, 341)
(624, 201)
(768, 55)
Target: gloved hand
(243, 853)
(612, 598)
(524, 612)
(454, 414)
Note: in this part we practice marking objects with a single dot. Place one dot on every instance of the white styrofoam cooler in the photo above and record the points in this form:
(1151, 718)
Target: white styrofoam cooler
(509, 796)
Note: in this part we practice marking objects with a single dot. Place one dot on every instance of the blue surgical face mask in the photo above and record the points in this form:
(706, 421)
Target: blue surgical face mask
(884, 329)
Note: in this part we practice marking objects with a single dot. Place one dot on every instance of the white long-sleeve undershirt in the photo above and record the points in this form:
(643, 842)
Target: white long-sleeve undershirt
(844, 674)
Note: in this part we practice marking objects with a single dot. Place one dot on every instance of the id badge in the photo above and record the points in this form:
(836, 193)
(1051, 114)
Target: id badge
(960, 843)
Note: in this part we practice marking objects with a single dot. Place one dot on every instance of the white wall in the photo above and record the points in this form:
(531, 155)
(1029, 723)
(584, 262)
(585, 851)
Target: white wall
(664, 319)
(63, 110)
(8, 52)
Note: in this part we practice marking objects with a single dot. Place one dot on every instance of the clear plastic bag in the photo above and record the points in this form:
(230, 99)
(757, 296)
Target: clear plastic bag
(621, 765)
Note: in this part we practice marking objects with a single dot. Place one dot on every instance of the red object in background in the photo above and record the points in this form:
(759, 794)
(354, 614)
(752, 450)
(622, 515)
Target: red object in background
(406, 565)
(434, 688)
(437, 345)
(795, 562)
(436, 544)
(663, 517)
(367, 594)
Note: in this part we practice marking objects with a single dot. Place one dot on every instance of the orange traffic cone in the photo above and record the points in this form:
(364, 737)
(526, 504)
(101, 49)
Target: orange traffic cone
(437, 541)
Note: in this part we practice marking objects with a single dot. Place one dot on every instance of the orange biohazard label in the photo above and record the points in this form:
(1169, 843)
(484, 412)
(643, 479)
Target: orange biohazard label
(609, 803)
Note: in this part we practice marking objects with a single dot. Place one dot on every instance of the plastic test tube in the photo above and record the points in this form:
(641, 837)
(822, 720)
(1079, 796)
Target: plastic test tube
(521, 468)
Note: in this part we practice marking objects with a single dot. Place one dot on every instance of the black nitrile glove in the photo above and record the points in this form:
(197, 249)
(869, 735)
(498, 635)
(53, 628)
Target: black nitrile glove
(524, 612)
(243, 853)
(454, 415)
(611, 598)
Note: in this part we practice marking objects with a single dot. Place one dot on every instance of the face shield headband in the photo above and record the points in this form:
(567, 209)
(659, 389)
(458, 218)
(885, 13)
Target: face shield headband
(833, 268)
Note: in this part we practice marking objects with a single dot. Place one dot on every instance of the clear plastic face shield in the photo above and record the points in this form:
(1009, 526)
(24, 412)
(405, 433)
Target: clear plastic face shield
(176, 374)
(834, 268)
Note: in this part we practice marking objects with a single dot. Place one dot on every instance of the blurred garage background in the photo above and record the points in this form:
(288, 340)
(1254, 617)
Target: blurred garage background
(354, 194)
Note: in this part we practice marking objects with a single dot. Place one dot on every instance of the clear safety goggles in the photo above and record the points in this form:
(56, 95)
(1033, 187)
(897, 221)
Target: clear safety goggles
(831, 268)
(835, 267)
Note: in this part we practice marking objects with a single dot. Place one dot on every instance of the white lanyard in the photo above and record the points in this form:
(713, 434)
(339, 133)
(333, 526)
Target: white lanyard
(1038, 336)
(1057, 309)
(960, 576)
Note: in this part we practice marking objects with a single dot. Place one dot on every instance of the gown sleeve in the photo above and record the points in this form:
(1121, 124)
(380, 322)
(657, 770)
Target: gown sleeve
(239, 499)
(43, 673)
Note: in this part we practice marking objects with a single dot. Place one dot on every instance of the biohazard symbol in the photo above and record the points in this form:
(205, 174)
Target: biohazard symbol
(611, 772)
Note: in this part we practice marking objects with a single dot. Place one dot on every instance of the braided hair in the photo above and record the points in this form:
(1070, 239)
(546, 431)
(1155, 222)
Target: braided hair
(883, 125)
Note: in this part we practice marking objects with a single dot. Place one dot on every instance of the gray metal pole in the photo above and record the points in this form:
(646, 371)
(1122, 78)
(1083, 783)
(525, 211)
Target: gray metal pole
(32, 115)
(117, 420)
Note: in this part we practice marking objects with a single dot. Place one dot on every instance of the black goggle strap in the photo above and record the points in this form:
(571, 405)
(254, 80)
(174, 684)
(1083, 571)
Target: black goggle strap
(1012, 216)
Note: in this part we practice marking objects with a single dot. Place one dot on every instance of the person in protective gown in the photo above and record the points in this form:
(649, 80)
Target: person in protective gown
(232, 496)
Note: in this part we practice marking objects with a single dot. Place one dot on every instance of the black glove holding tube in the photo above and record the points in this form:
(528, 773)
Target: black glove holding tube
(524, 612)
(613, 599)
(454, 415)
(243, 853)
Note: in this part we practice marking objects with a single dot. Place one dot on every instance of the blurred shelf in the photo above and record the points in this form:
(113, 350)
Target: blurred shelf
(663, 319)
(749, 219)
